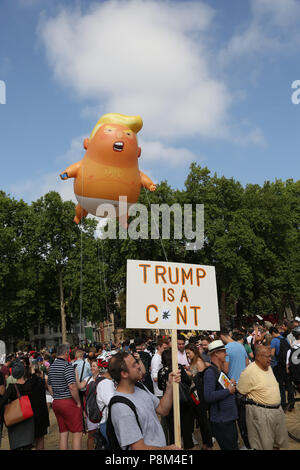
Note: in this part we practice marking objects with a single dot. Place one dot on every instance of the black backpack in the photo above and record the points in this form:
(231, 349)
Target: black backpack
(283, 349)
(90, 401)
(199, 383)
(294, 365)
(113, 443)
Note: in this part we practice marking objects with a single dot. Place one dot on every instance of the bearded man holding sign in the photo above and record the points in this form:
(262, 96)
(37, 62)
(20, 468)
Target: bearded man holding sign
(146, 432)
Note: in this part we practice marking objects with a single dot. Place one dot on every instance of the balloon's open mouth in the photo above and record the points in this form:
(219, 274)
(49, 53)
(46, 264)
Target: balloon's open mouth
(118, 146)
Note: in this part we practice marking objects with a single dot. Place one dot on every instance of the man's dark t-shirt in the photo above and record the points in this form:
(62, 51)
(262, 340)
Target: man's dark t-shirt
(2, 379)
(146, 360)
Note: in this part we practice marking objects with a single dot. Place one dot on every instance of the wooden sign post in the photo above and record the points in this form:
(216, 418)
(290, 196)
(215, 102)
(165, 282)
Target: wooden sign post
(176, 404)
(171, 296)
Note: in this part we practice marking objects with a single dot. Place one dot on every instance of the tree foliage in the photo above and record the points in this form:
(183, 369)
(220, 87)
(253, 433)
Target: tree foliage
(41, 245)
(251, 236)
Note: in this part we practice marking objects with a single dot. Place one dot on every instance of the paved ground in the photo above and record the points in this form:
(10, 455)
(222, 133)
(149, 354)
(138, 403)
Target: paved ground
(51, 440)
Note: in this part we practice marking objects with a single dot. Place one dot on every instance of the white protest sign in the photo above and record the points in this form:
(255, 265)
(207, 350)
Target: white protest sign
(173, 296)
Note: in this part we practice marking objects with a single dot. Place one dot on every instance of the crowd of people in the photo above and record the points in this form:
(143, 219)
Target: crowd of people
(231, 382)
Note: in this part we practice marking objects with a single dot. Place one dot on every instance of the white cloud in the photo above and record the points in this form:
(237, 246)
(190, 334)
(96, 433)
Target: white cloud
(32, 189)
(254, 136)
(153, 153)
(28, 3)
(74, 153)
(141, 57)
(280, 13)
(158, 152)
(52, 182)
(273, 28)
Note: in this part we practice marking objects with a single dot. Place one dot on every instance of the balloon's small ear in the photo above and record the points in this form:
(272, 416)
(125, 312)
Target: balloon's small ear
(139, 152)
(86, 143)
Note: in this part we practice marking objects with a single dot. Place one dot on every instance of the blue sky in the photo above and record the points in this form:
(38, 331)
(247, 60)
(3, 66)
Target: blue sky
(211, 80)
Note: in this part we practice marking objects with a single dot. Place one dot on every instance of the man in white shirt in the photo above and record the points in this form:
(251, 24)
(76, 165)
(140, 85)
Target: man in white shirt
(82, 365)
(292, 360)
(292, 325)
(182, 357)
(105, 391)
(156, 364)
(295, 344)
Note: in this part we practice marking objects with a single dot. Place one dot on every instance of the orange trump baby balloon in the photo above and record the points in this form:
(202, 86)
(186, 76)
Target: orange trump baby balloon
(109, 168)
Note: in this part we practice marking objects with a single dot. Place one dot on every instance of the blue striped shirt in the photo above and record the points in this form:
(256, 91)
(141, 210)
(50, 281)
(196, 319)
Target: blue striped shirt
(61, 374)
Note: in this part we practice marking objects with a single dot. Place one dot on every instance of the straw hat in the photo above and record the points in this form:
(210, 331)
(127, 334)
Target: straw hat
(217, 345)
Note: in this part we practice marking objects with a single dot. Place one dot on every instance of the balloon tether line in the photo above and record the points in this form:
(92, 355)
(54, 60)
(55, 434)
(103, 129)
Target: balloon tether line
(104, 280)
(81, 264)
(157, 228)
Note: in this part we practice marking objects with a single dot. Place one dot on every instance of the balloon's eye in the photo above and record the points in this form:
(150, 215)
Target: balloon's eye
(108, 130)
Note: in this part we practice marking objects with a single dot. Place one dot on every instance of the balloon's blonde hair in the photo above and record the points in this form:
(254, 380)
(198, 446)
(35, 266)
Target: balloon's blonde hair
(134, 123)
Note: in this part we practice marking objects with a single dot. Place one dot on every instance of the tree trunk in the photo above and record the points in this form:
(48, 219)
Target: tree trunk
(62, 310)
(223, 309)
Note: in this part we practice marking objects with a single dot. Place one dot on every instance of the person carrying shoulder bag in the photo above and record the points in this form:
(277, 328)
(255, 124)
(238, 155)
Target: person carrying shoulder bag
(21, 435)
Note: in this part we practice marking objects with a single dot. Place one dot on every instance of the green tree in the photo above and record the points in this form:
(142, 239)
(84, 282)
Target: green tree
(16, 290)
(56, 244)
(53, 270)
